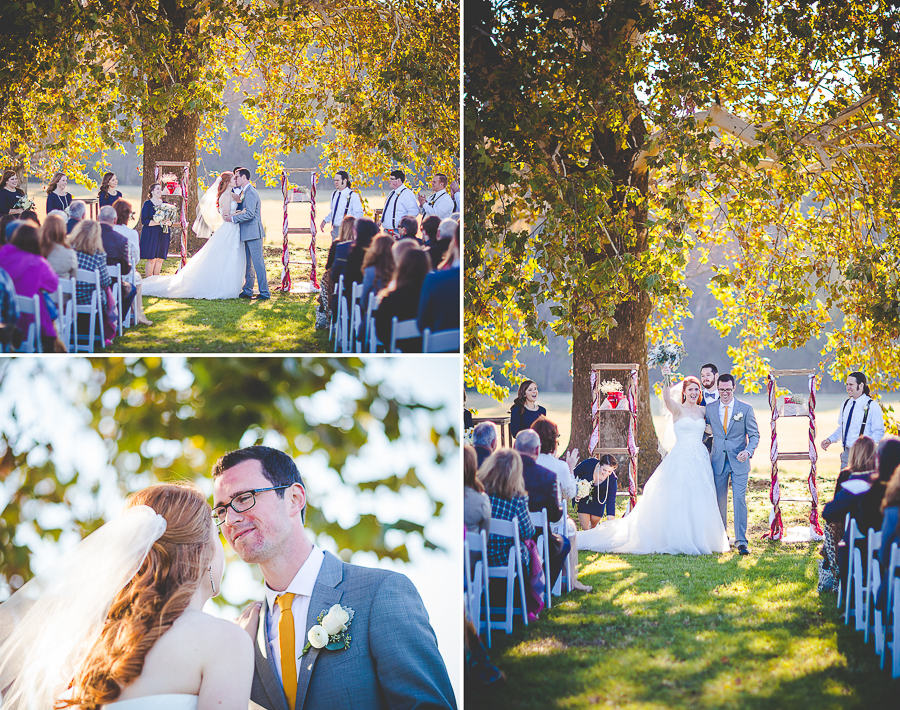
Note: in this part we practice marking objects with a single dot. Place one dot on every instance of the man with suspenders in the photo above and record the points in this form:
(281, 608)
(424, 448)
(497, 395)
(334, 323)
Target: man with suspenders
(440, 203)
(399, 204)
(344, 201)
(860, 416)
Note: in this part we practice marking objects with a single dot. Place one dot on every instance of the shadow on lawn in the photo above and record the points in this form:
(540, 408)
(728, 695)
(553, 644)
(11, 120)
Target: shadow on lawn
(689, 632)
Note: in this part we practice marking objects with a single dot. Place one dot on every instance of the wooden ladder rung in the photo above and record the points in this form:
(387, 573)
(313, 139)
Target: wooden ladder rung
(306, 262)
(299, 230)
(788, 373)
(795, 500)
(612, 450)
(794, 456)
(619, 366)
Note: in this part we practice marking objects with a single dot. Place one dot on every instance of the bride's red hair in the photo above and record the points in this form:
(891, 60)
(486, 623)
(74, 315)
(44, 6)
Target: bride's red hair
(153, 599)
(689, 380)
(225, 179)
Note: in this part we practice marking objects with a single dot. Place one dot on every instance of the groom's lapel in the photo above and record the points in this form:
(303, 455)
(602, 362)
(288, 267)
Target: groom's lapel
(265, 665)
(324, 596)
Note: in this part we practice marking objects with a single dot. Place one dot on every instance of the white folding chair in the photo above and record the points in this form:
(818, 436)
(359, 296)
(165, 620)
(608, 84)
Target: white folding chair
(371, 344)
(567, 575)
(842, 585)
(862, 581)
(539, 520)
(31, 305)
(895, 627)
(478, 546)
(854, 568)
(354, 344)
(115, 273)
(873, 574)
(882, 621)
(93, 310)
(510, 571)
(402, 329)
(332, 326)
(442, 341)
(65, 302)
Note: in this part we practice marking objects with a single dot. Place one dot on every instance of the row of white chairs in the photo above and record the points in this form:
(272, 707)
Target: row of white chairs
(353, 333)
(858, 592)
(478, 575)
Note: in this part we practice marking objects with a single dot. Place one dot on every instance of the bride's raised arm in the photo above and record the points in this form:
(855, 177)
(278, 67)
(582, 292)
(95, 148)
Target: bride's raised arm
(671, 404)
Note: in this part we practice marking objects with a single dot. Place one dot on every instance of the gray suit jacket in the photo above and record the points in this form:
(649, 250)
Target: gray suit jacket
(393, 659)
(743, 435)
(250, 222)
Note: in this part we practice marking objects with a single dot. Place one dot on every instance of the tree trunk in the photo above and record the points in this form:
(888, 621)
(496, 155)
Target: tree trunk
(178, 144)
(627, 342)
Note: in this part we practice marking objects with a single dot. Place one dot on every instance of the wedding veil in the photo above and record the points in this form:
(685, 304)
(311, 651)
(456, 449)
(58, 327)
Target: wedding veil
(49, 625)
(208, 217)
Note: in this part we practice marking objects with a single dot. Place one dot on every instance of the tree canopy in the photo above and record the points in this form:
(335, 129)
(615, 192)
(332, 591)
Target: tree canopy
(610, 143)
(76, 436)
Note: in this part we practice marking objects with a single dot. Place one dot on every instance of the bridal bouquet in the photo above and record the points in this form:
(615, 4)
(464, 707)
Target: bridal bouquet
(584, 489)
(669, 354)
(165, 215)
(24, 203)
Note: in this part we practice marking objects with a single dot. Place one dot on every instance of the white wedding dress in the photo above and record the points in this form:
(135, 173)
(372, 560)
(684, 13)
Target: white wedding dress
(677, 513)
(172, 701)
(216, 271)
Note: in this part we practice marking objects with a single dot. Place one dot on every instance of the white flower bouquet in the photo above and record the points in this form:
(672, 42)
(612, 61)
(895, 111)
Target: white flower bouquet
(584, 489)
(165, 215)
(670, 354)
(469, 436)
(608, 386)
(24, 203)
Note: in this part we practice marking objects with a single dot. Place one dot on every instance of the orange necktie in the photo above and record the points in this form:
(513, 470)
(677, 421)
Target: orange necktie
(288, 648)
(726, 419)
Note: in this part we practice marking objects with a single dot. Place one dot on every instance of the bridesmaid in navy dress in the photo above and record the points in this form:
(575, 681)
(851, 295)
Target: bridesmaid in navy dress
(9, 193)
(525, 409)
(108, 193)
(154, 241)
(57, 197)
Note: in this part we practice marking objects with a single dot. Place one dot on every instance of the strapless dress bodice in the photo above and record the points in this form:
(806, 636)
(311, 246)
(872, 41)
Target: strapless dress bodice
(171, 701)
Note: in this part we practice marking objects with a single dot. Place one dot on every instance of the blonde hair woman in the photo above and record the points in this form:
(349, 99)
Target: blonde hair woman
(501, 476)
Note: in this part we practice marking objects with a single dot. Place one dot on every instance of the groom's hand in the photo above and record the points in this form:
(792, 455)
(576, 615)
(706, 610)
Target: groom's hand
(743, 456)
(249, 619)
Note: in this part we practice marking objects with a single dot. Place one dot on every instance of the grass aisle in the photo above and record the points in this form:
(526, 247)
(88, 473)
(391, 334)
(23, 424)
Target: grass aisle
(286, 323)
(715, 631)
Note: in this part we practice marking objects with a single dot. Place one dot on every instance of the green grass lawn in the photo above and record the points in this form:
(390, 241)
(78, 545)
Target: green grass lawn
(286, 323)
(713, 631)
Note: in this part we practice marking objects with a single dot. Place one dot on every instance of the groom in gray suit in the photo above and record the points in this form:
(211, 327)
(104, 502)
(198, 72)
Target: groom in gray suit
(391, 659)
(252, 235)
(735, 438)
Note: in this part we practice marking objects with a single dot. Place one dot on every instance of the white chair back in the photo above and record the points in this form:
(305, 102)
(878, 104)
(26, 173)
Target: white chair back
(510, 571)
(31, 305)
(115, 273)
(442, 341)
(332, 327)
(539, 520)
(371, 343)
(93, 310)
(853, 568)
(478, 547)
(65, 302)
(402, 329)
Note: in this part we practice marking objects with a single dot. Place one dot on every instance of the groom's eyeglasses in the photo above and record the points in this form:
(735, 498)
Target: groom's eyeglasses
(241, 503)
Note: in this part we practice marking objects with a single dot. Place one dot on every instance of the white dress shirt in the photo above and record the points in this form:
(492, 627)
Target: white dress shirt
(399, 204)
(711, 395)
(440, 204)
(722, 411)
(302, 585)
(874, 423)
(344, 202)
(457, 202)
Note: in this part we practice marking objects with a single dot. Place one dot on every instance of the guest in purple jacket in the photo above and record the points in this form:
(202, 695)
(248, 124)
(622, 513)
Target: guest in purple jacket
(31, 274)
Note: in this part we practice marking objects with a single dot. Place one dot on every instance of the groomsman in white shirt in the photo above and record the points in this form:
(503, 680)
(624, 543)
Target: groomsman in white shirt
(344, 201)
(440, 203)
(399, 204)
(709, 373)
(860, 416)
(456, 194)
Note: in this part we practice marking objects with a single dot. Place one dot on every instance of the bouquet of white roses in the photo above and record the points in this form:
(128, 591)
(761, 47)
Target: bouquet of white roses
(165, 215)
(24, 203)
(669, 354)
(584, 489)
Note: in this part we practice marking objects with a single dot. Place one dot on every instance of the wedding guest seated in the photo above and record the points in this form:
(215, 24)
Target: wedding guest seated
(443, 242)
(451, 255)
(10, 335)
(88, 246)
(77, 211)
(861, 465)
(439, 302)
(58, 252)
(108, 194)
(501, 476)
(486, 440)
(601, 474)
(378, 268)
(890, 534)
(401, 299)
(366, 229)
(117, 252)
(565, 480)
(409, 229)
(32, 276)
(337, 258)
(432, 241)
(7, 227)
(30, 216)
(861, 497)
(525, 409)
(57, 196)
(540, 484)
(124, 212)
(476, 504)
(10, 193)
(400, 248)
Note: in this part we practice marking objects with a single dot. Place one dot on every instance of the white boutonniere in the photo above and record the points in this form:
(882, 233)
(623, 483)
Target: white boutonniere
(737, 417)
(332, 630)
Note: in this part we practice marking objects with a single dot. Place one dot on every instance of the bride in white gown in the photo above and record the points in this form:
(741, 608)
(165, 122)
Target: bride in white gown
(677, 512)
(218, 269)
(118, 623)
